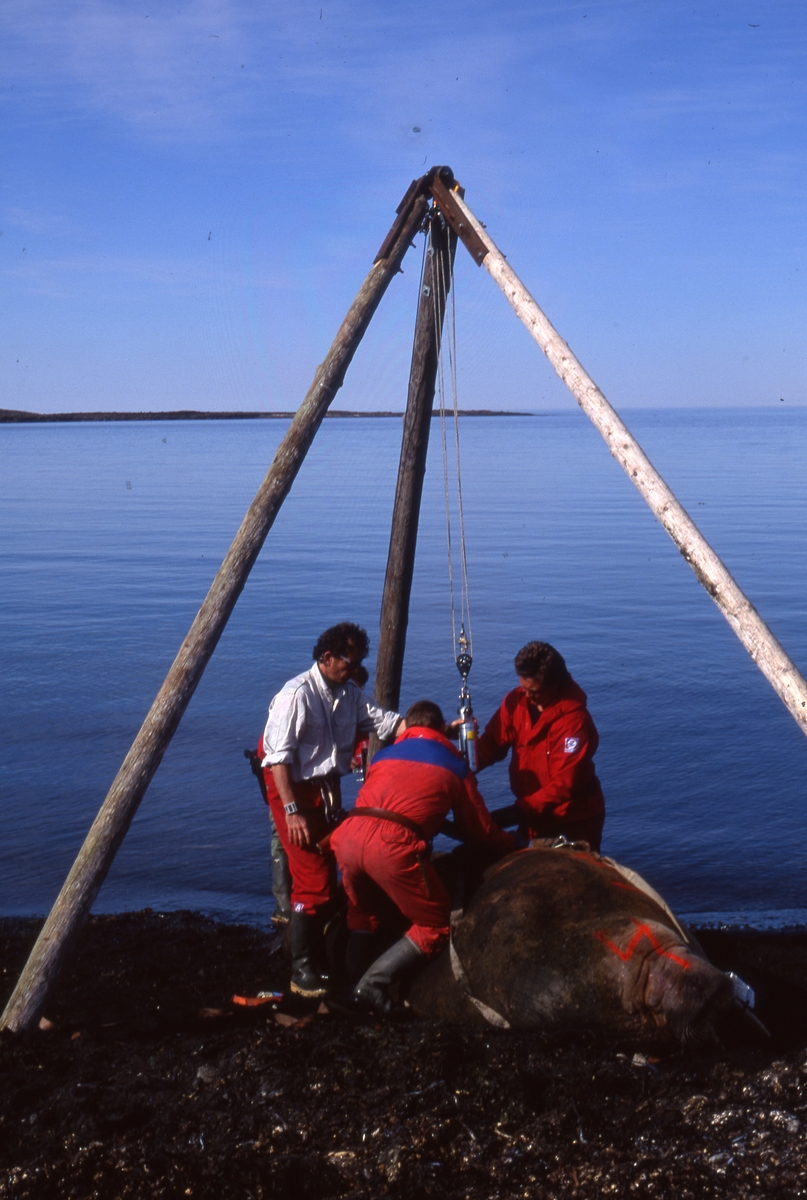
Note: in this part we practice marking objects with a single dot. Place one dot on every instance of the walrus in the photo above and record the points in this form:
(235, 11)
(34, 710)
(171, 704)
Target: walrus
(564, 940)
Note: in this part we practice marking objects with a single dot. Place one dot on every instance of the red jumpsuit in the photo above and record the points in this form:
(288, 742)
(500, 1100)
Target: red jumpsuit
(313, 875)
(420, 777)
(552, 769)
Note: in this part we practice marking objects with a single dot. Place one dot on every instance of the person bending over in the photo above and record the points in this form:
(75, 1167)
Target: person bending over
(546, 725)
(382, 847)
(308, 743)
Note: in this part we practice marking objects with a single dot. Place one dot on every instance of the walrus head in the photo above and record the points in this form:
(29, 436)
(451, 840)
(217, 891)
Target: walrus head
(682, 993)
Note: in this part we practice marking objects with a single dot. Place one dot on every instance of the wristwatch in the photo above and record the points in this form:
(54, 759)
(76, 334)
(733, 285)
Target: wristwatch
(290, 809)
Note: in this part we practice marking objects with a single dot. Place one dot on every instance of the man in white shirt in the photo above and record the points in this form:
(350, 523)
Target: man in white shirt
(308, 744)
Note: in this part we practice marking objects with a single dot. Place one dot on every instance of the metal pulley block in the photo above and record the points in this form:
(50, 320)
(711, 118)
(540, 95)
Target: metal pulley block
(463, 660)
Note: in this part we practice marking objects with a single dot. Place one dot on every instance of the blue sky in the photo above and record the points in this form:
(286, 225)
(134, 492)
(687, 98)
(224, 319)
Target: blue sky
(191, 194)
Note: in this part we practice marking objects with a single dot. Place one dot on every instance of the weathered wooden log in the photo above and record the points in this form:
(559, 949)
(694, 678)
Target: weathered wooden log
(773, 662)
(110, 826)
(412, 466)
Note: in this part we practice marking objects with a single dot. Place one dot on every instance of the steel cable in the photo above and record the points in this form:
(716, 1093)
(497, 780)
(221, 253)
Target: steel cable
(444, 287)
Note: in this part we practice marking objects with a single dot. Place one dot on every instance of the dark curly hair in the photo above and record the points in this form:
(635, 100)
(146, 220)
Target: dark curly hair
(346, 640)
(426, 713)
(543, 663)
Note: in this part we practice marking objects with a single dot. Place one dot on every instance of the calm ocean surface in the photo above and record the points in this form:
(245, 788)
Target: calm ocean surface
(110, 535)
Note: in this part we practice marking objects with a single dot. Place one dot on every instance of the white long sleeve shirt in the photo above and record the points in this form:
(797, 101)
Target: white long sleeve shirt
(312, 727)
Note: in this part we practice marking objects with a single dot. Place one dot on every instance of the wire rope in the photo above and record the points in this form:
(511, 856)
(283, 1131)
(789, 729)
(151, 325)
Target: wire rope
(465, 617)
(437, 307)
(443, 278)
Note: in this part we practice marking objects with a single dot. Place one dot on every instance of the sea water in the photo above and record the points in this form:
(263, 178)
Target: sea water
(111, 533)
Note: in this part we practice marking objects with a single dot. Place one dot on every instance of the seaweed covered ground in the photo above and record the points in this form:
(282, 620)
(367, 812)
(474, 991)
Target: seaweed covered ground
(149, 1082)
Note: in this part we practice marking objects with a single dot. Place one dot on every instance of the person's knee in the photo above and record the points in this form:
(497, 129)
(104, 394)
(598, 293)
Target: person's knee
(311, 896)
(429, 939)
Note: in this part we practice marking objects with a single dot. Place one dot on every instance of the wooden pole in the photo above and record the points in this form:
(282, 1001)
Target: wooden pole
(109, 828)
(773, 662)
(412, 465)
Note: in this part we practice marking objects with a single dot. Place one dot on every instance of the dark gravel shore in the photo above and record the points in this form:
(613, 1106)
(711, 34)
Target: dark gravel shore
(152, 1084)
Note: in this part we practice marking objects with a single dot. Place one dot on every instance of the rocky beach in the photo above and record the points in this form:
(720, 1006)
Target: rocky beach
(147, 1080)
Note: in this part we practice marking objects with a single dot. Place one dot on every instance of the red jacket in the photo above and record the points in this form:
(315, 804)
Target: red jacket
(552, 768)
(422, 776)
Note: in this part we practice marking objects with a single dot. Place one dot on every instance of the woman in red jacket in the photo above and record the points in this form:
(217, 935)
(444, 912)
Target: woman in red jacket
(553, 740)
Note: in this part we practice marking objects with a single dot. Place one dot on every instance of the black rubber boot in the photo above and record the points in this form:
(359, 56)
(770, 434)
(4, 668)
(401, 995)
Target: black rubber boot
(371, 990)
(306, 980)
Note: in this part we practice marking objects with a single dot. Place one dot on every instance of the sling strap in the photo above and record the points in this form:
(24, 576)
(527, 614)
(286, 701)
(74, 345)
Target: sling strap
(461, 978)
(384, 814)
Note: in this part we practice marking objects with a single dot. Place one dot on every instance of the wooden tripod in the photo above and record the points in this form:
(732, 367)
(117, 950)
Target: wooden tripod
(129, 786)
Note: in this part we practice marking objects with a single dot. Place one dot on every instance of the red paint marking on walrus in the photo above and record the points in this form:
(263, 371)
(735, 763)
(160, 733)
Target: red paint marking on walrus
(641, 931)
(494, 870)
(629, 887)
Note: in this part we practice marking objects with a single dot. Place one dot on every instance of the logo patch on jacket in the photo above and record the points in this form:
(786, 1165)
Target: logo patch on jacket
(570, 745)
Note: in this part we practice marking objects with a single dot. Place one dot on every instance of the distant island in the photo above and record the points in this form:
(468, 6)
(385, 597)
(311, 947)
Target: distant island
(15, 416)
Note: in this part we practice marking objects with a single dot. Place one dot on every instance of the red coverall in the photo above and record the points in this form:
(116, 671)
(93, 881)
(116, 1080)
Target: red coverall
(421, 777)
(552, 769)
(313, 876)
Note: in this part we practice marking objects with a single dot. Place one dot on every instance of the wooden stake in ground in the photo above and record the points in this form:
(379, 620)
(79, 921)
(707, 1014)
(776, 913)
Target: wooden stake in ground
(773, 662)
(110, 826)
(412, 466)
